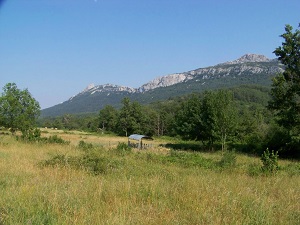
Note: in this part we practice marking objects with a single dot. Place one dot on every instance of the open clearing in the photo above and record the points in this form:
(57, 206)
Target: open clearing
(154, 186)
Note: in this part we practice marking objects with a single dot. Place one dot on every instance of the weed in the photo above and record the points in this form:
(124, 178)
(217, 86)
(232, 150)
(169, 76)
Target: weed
(188, 159)
(85, 146)
(57, 140)
(254, 169)
(59, 159)
(228, 160)
(35, 136)
(270, 161)
(122, 149)
(97, 164)
(91, 161)
(293, 169)
(31, 135)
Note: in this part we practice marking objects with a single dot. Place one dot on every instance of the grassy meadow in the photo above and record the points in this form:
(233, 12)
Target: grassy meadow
(93, 181)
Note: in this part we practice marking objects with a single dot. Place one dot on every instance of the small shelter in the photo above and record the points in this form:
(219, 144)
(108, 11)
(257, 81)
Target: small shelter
(139, 138)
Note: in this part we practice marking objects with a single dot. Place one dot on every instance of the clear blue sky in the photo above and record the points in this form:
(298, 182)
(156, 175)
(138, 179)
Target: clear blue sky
(55, 48)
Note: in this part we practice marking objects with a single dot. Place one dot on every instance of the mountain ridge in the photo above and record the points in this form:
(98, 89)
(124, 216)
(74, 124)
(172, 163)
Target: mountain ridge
(171, 79)
(248, 69)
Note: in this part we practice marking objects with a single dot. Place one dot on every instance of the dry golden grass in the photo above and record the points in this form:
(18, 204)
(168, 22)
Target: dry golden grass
(141, 191)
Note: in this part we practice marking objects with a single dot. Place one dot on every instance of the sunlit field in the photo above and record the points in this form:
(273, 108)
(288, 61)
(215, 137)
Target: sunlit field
(78, 183)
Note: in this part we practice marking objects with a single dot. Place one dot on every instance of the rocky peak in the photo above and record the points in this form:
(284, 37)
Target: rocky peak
(165, 81)
(250, 58)
(89, 87)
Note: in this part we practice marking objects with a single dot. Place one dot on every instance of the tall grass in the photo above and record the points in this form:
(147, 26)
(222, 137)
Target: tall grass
(145, 188)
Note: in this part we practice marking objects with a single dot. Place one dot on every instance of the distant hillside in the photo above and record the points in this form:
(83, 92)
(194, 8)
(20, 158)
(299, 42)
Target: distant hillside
(248, 69)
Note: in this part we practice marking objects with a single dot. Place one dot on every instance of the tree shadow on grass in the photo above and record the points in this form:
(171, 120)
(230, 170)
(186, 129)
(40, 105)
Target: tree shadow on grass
(196, 147)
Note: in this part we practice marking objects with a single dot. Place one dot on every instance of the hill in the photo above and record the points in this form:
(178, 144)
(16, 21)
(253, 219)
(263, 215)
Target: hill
(248, 69)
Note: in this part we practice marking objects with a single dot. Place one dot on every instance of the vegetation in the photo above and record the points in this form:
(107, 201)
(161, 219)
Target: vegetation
(285, 102)
(18, 109)
(235, 118)
(44, 183)
(270, 161)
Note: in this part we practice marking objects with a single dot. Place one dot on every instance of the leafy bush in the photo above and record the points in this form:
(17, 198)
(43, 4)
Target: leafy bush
(91, 161)
(34, 135)
(31, 135)
(122, 149)
(97, 164)
(293, 169)
(57, 140)
(85, 146)
(57, 160)
(188, 159)
(270, 161)
(228, 159)
(254, 169)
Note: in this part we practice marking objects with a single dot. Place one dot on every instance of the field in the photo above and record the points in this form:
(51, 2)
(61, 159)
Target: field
(103, 183)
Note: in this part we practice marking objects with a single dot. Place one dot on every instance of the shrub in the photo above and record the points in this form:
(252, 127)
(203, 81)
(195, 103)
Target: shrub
(293, 169)
(31, 135)
(270, 161)
(97, 164)
(57, 160)
(90, 161)
(122, 149)
(228, 159)
(254, 169)
(85, 146)
(57, 140)
(188, 159)
(35, 136)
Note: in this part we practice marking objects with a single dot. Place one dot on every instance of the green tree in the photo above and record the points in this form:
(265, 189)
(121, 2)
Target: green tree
(18, 109)
(226, 116)
(188, 119)
(208, 118)
(149, 121)
(108, 118)
(285, 92)
(165, 118)
(134, 118)
(138, 120)
(125, 119)
(218, 116)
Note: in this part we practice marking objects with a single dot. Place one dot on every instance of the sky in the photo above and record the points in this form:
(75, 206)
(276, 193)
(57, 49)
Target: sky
(55, 48)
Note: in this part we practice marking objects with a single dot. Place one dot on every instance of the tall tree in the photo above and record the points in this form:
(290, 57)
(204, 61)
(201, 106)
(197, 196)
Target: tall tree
(18, 109)
(208, 118)
(226, 115)
(285, 92)
(188, 119)
(129, 117)
(107, 118)
(218, 116)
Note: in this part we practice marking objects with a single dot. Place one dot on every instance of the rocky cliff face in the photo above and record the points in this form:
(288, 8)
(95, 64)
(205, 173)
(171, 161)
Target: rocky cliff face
(105, 88)
(247, 64)
(165, 81)
(249, 58)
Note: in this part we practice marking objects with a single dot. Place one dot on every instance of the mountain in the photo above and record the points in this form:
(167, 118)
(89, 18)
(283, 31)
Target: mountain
(248, 69)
